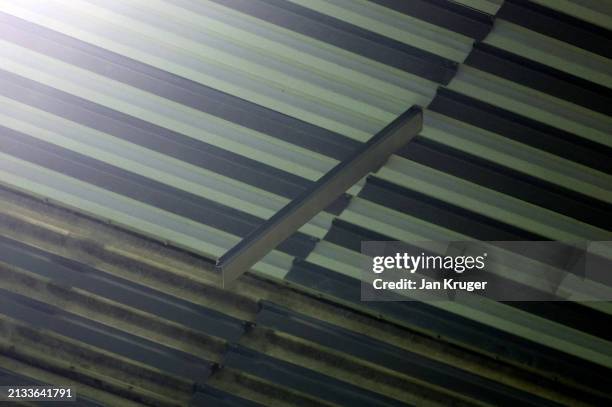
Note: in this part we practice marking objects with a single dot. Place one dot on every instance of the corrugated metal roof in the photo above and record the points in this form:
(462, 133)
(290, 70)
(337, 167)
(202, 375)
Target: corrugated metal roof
(192, 122)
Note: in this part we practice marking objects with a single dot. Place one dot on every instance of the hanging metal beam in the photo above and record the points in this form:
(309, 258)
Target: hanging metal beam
(367, 158)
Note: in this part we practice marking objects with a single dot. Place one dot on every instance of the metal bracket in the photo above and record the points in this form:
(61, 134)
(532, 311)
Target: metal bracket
(367, 158)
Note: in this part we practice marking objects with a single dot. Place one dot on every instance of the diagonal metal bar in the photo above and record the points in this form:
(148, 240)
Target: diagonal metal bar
(369, 157)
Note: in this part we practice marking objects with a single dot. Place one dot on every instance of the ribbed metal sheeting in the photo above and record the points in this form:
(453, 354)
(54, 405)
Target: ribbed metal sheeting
(191, 122)
(515, 147)
(220, 113)
(127, 321)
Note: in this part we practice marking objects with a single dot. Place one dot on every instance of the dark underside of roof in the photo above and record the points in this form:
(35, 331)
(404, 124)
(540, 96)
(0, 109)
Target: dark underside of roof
(139, 141)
